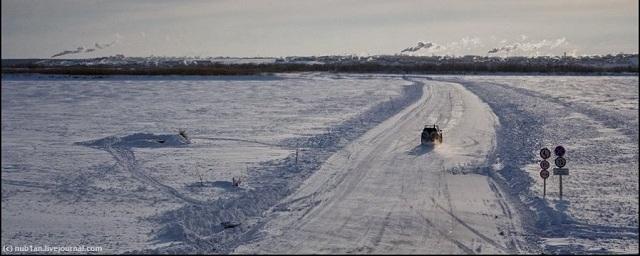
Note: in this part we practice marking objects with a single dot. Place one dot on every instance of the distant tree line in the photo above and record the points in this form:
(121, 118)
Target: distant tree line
(252, 69)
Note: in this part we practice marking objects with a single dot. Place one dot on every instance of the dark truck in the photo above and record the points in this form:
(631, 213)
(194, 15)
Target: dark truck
(431, 134)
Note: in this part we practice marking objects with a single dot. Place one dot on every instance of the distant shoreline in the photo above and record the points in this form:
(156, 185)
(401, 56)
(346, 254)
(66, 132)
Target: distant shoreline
(233, 70)
(263, 76)
(98, 73)
(622, 64)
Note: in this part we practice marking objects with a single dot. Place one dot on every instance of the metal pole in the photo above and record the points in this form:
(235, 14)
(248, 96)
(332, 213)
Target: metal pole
(544, 188)
(560, 187)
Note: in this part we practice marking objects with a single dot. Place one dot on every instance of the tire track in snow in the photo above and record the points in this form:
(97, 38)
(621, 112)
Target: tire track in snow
(238, 140)
(345, 189)
(339, 186)
(31, 184)
(474, 231)
(442, 233)
(514, 243)
(127, 159)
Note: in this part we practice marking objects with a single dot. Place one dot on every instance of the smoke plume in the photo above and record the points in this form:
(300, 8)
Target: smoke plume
(421, 45)
(531, 46)
(506, 48)
(81, 49)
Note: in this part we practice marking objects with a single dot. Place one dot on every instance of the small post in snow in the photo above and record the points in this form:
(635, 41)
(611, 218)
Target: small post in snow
(391, 103)
(296, 158)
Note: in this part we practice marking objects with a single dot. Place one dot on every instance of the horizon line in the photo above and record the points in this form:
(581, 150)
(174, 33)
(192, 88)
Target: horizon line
(328, 55)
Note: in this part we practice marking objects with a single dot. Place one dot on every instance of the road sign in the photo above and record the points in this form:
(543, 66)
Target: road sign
(560, 161)
(544, 174)
(545, 153)
(544, 164)
(560, 171)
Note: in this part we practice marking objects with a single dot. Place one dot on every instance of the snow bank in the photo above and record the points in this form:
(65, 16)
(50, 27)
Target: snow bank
(600, 207)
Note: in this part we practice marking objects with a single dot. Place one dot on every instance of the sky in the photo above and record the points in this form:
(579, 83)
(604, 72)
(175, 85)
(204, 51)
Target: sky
(93, 28)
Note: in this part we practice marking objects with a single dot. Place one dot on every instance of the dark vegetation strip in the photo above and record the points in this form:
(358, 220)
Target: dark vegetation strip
(253, 69)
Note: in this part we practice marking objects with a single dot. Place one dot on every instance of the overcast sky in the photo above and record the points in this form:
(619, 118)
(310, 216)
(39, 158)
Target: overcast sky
(42, 28)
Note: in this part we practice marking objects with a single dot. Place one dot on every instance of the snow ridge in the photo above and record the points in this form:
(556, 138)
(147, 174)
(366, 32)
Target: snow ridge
(524, 128)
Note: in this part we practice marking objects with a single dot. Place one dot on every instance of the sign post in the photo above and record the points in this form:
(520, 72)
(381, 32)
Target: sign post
(560, 187)
(544, 174)
(560, 163)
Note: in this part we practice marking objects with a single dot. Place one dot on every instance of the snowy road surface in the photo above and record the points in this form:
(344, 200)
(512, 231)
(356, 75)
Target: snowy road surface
(384, 193)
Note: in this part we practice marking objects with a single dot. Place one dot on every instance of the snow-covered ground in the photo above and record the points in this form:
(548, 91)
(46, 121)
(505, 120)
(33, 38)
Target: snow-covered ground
(83, 162)
(596, 120)
(99, 162)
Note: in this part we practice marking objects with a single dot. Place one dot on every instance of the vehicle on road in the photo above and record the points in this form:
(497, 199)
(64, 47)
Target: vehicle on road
(431, 134)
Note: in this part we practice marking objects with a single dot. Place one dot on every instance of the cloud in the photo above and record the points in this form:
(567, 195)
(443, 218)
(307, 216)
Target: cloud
(468, 43)
(559, 42)
(573, 53)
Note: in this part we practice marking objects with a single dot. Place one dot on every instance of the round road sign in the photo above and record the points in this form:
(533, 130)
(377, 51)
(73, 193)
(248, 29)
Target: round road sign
(559, 151)
(545, 153)
(544, 164)
(544, 174)
(561, 162)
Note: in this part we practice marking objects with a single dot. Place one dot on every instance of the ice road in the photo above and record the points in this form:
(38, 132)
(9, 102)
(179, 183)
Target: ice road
(385, 193)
